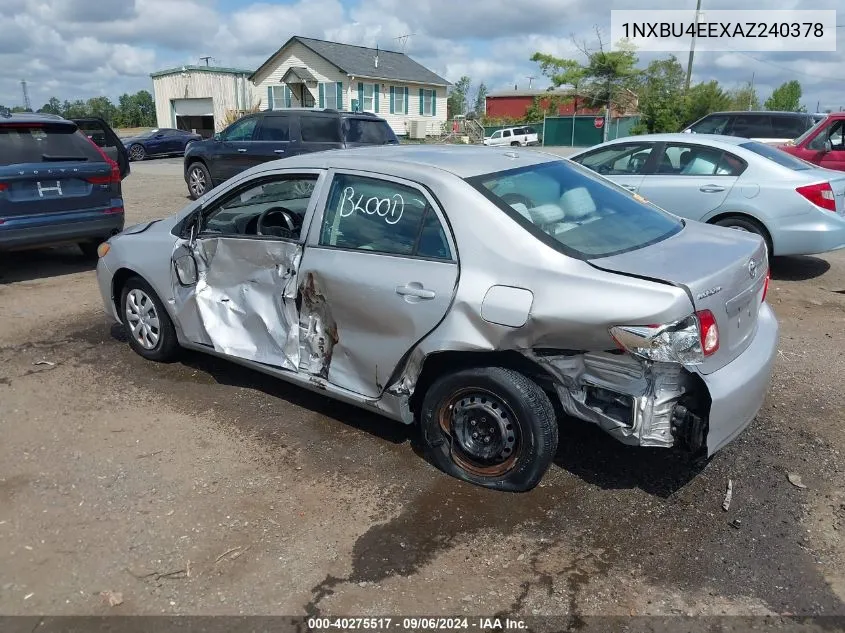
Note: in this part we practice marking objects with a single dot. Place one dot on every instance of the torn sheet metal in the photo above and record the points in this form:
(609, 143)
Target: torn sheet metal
(317, 329)
(649, 391)
(244, 300)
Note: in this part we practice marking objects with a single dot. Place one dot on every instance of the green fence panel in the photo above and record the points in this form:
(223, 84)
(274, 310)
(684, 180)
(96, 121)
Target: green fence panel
(558, 130)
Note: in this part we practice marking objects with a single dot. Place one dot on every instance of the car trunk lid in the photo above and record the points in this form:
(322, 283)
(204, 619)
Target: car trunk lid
(722, 270)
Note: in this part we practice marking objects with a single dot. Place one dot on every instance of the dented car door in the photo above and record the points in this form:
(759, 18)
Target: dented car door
(379, 273)
(235, 277)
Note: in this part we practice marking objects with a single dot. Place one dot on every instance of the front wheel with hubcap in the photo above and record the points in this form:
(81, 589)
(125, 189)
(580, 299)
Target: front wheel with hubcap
(490, 426)
(137, 152)
(148, 326)
(199, 180)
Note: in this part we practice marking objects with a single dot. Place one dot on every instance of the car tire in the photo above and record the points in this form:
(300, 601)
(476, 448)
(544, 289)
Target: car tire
(137, 152)
(515, 144)
(749, 225)
(490, 426)
(155, 339)
(199, 180)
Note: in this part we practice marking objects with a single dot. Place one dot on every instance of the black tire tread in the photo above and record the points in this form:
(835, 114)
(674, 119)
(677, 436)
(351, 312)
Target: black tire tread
(524, 477)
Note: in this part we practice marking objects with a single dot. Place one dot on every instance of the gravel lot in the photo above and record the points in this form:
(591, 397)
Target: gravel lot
(200, 487)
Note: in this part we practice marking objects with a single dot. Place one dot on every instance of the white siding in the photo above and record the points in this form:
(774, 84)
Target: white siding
(298, 55)
(222, 88)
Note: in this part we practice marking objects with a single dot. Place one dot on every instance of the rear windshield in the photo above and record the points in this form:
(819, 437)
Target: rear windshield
(575, 211)
(25, 143)
(778, 155)
(370, 132)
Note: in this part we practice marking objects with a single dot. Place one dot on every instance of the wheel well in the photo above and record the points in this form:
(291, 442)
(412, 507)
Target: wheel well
(117, 282)
(748, 218)
(441, 363)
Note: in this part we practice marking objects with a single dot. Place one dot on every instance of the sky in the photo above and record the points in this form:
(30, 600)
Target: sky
(76, 49)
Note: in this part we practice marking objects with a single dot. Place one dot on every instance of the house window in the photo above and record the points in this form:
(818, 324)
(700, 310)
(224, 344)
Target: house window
(399, 101)
(367, 105)
(330, 96)
(428, 106)
(280, 97)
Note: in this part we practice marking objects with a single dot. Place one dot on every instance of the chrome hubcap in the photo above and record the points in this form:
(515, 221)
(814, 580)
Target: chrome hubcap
(197, 182)
(142, 318)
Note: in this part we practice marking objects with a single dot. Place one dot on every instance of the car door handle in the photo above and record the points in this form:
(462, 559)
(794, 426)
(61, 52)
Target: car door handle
(242, 150)
(415, 289)
(630, 187)
(711, 189)
(278, 151)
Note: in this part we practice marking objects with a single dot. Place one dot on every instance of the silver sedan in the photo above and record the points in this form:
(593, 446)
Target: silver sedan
(797, 207)
(471, 291)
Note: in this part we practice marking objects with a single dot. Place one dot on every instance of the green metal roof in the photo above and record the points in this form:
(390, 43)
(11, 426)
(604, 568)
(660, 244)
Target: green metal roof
(202, 69)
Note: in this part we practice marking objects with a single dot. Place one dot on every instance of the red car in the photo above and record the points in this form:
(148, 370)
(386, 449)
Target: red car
(823, 144)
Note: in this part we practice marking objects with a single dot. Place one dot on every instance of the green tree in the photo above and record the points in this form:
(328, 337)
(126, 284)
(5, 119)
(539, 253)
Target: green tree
(661, 93)
(136, 110)
(103, 108)
(457, 100)
(53, 106)
(744, 98)
(786, 97)
(75, 109)
(562, 72)
(704, 98)
(480, 106)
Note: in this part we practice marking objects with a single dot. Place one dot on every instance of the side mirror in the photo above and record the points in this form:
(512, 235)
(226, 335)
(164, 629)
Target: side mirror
(186, 270)
(216, 136)
(828, 146)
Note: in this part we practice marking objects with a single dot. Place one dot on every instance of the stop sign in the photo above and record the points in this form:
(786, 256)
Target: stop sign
(599, 122)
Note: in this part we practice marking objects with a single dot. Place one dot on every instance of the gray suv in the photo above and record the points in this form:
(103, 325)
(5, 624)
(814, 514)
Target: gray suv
(273, 134)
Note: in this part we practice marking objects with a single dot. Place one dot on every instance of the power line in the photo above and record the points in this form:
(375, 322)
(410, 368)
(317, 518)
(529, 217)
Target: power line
(787, 68)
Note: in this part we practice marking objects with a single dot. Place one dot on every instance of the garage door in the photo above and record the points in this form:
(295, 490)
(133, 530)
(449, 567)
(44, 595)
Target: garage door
(193, 107)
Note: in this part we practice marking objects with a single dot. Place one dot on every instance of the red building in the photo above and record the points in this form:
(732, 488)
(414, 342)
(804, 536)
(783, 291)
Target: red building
(514, 103)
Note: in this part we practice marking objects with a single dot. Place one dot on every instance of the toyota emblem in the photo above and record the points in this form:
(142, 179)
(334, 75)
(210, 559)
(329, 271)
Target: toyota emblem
(752, 269)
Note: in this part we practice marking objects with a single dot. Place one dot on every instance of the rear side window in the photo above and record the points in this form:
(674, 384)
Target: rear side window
(574, 211)
(371, 214)
(44, 144)
(319, 129)
(274, 128)
(789, 126)
(370, 132)
(752, 126)
(778, 155)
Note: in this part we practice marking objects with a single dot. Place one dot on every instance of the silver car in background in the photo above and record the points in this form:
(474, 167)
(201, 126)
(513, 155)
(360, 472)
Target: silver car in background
(472, 291)
(797, 207)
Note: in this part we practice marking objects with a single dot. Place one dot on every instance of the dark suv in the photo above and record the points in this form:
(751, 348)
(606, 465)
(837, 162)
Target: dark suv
(767, 127)
(58, 183)
(273, 134)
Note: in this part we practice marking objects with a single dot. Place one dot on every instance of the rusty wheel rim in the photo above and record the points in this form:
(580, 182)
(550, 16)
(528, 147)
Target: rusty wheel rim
(483, 432)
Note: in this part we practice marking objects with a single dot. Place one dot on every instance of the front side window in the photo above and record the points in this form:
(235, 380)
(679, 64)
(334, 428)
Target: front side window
(273, 207)
(574, 211)
(716, 124)
(833, 134)
(618, 160)
(240, 130)
(370, 214)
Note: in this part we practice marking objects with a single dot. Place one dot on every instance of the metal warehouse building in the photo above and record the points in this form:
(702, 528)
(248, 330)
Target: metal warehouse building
(198, 98)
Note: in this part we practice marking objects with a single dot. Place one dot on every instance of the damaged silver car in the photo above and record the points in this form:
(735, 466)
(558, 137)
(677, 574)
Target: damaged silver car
(477, 292)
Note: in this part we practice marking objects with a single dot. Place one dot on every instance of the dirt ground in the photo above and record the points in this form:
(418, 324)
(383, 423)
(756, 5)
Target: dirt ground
(200, 487)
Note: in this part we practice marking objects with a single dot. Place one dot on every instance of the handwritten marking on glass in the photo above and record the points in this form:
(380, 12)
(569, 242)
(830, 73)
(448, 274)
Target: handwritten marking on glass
(391, 209)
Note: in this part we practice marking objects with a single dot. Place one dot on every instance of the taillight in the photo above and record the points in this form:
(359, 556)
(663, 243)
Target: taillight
(3, 186)
(708, 331)
(820, 194)
(113, 177)
(766, 286)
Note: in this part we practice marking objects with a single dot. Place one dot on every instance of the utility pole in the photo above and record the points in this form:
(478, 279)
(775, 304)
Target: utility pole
(530, 79)
(692, 48)
(26, 103)
(751, 93)
(403, 40)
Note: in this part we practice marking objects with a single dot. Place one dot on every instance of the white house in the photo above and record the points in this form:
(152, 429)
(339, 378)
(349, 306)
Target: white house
(309, 73)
